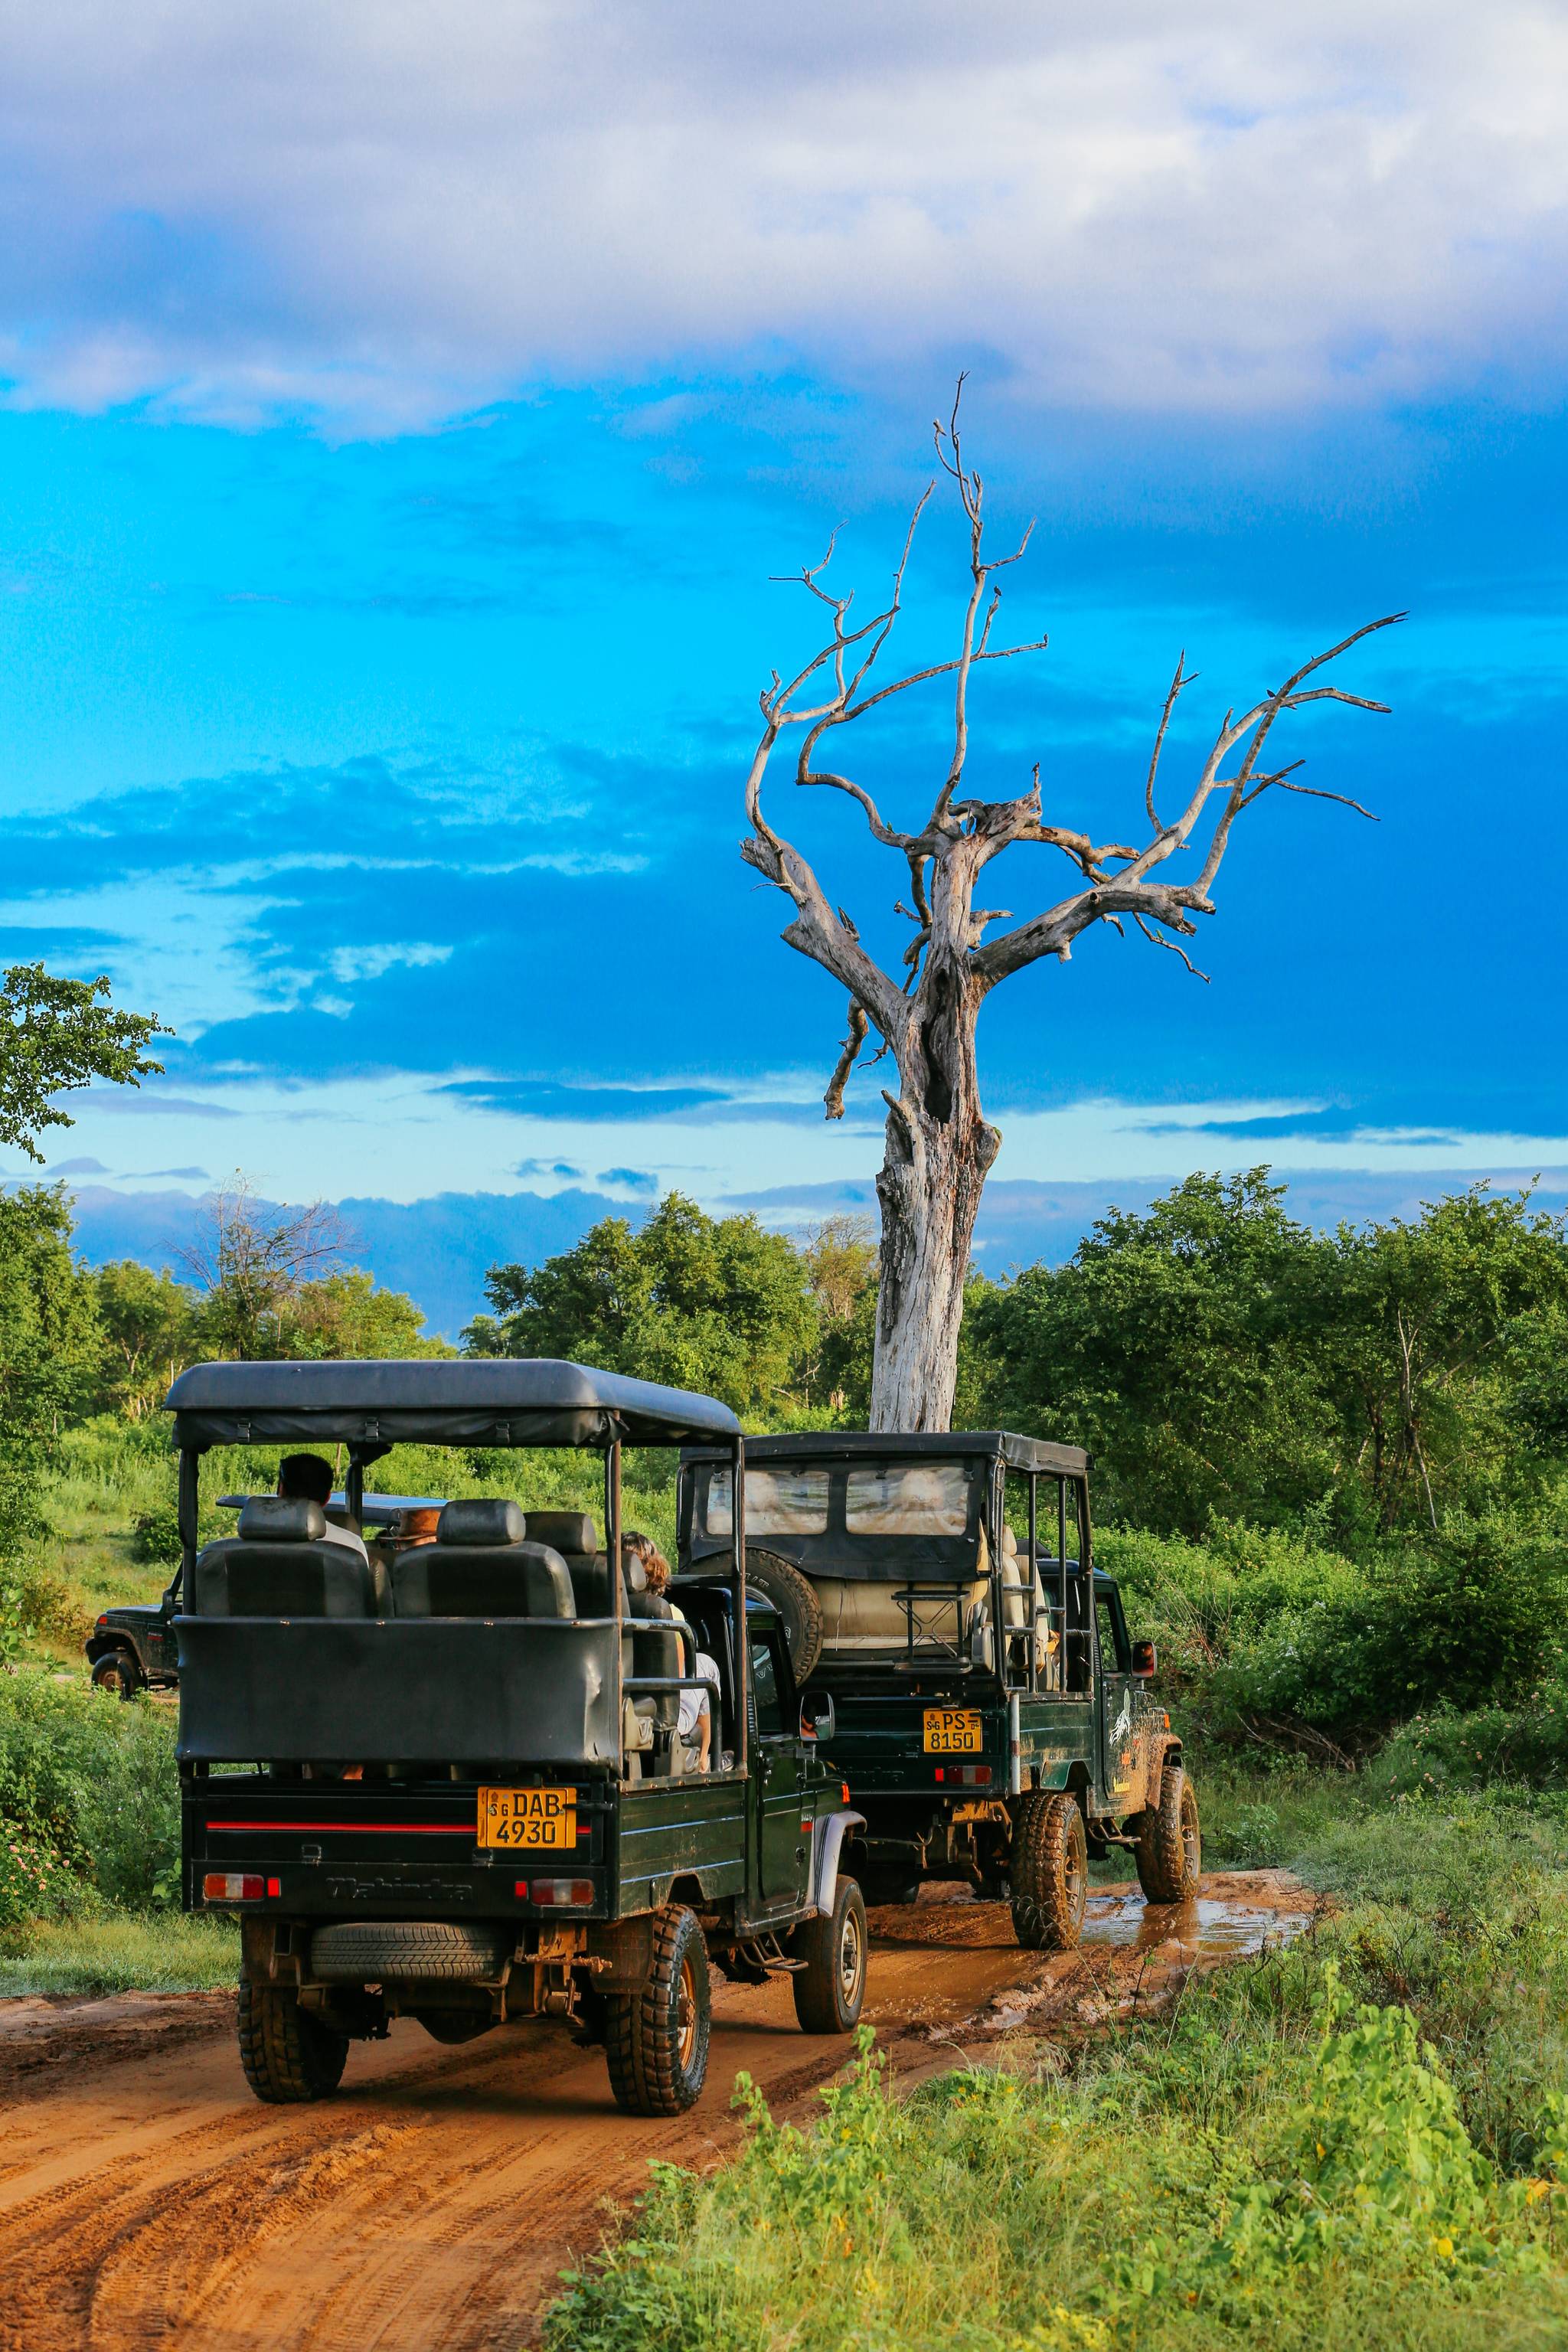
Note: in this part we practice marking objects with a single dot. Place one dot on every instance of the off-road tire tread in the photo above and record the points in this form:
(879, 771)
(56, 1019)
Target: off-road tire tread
(289, 2056)
(367, 1951)
(816, 1987)
(641, 2045)
(1046, 1917)
(1160, 1853)
(795, 1599)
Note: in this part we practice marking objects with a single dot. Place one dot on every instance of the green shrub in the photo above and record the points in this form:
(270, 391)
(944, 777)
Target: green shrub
(93, 1781)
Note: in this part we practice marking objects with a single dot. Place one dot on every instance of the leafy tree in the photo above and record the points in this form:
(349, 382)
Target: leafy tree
(718, 1305)
(834, 1377)
(56, 1036)
(150, 1333)
(348, 1316)
(1433, 1324)
(1180, 1345)
(49, 1348)
(251, 1265)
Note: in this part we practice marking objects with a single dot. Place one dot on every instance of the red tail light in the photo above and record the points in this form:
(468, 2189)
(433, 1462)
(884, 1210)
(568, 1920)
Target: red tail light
(965, 1776)
(563, 1893)
(234, 1886)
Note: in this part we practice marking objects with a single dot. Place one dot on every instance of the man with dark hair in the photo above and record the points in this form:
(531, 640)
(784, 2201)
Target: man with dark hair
(307, 1478)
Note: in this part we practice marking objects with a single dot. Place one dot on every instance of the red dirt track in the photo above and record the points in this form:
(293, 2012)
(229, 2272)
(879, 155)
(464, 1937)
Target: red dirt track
(147, 2199)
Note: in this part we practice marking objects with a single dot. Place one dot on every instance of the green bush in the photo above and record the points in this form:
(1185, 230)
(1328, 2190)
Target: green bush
(156, 1536)
(91, 1781)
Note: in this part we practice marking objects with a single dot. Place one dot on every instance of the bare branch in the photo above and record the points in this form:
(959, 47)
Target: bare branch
(1158, 940)
(833, 1100)
(1176, 685)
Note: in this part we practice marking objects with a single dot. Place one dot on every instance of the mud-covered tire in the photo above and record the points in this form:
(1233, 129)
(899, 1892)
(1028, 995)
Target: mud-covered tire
(1169, 1853)
(289, 2056)
(792, 1595)
(1049, 1872)
(656, 2040)
(373, 1951)
(830, 1991)
(118, 1673)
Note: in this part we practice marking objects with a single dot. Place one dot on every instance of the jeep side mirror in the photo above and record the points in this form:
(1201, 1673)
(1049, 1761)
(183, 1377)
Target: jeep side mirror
(1145, 1658)
(818, 1717)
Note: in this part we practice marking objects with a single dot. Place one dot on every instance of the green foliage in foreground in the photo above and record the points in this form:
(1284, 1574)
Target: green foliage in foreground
(89, 1807)
(1356, 2140)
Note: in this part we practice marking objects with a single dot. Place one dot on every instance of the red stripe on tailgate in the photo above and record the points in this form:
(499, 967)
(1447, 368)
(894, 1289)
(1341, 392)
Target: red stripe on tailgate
(359, 1829)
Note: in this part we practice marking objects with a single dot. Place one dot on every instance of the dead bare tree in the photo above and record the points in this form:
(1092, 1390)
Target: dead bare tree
(253, 1260)
(939, 1145)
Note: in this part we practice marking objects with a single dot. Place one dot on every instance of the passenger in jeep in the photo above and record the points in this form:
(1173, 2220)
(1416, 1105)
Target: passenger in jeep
(696, 1712)
(307, 1478)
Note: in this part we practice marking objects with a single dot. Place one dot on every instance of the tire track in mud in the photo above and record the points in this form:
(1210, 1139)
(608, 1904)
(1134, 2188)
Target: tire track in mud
(431, 2206)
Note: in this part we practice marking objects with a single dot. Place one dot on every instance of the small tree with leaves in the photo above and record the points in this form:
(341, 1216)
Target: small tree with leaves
(56, 1036)
(252, 1263)
(939, 1145)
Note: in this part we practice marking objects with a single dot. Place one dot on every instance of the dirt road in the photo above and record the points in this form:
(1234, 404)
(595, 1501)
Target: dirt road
(145, 2199)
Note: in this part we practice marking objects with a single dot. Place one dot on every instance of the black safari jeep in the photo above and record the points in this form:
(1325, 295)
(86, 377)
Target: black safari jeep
(132, 1647)
(962, 1661)
(480, 1795)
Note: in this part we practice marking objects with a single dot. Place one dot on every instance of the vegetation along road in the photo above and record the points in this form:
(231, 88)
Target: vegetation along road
(145, 2197)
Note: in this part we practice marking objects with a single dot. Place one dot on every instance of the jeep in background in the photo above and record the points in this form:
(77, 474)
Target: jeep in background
(966, 1668)
(132, 1647)
(465, 1786)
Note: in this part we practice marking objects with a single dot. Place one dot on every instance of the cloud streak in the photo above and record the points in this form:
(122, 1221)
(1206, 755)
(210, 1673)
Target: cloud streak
(387, 217)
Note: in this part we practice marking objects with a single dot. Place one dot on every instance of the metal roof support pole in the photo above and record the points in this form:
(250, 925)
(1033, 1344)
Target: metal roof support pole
(742, 1639)
(1062, 1558)
(1034, 1580)
(618, 1593)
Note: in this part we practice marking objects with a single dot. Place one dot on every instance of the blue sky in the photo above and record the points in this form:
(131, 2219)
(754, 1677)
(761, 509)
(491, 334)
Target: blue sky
(399, 426)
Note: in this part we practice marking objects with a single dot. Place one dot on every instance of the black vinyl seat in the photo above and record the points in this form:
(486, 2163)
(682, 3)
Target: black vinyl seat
(281, 1564)
(481, 1564)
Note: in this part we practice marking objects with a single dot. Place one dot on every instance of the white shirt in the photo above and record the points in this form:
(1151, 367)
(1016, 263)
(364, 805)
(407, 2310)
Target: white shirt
(347, 1536)
(694, 1704)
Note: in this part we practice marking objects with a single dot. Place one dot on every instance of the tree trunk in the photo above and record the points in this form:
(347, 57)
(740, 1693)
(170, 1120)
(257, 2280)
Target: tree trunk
(938, 1153)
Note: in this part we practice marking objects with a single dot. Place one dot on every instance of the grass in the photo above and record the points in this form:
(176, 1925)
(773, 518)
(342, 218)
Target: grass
(1353, 2141)
(157, 1951)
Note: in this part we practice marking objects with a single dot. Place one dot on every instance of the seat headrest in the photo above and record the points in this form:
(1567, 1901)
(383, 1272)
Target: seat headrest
(1009, 1542)
(281, 1519)
(633, 1573)
(484, 1520)
(563, 1532)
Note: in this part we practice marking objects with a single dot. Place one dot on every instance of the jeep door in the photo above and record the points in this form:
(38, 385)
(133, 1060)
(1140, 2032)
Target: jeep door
(1120, 1748)
(784, 1847)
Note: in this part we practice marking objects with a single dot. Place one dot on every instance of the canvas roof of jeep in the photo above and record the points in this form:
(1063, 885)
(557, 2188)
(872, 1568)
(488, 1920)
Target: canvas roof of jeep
(475, 1401)
(856, 1445)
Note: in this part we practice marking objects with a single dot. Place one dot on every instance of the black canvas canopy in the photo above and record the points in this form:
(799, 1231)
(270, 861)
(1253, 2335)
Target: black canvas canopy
(482, 1401)
(1007, 1446)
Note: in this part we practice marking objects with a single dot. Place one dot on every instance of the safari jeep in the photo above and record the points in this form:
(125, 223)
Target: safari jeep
(454, 1786)
(962, 1661)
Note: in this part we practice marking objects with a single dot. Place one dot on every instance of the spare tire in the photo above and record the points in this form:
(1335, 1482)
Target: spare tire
(796, 1603)
(370, 1951)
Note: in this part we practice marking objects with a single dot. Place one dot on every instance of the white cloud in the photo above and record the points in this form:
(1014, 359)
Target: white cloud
(384, 211)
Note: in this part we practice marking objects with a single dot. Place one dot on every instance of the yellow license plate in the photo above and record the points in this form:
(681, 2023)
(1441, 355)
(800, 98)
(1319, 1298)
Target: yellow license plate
(531, 1821)
(952, 1731)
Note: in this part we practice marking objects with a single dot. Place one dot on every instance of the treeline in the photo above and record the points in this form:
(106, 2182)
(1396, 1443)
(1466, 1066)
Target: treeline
(1221, 1360)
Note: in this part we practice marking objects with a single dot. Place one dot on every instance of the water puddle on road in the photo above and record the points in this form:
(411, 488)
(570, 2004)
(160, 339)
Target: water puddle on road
(1217, 1926)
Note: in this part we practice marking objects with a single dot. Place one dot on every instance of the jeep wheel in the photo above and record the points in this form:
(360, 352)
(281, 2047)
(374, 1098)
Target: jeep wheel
(656, 2040)
(287, 2055)
(116, 1671)
(1169, 1854)
(831, 1986)
(796, 1602)
(1049, 1871)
